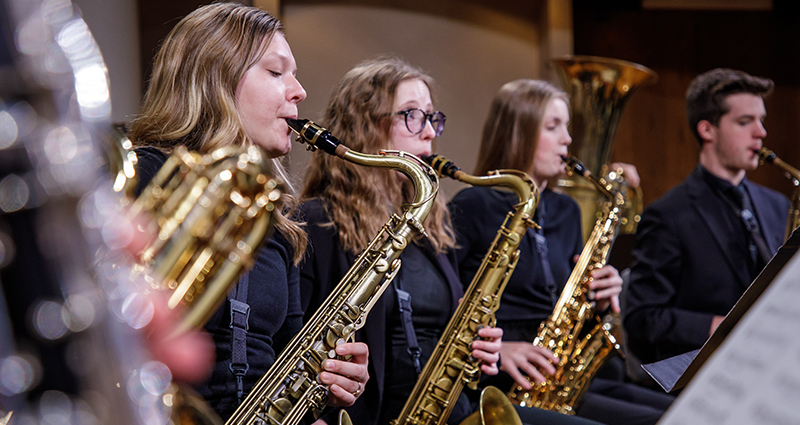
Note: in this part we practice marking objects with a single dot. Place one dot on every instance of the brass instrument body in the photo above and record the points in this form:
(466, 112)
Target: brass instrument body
(599, 88)
(580, 353)
(209, 214)
(766, 155)
(451, 365)
(291, 388)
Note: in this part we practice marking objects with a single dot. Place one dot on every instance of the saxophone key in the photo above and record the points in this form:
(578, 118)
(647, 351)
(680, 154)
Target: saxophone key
(351, 312)
(277, 410)
(441, 389)
(432, 412)
(454, 365)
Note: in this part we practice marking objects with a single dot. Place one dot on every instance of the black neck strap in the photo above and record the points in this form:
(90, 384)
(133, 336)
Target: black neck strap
(240, 314)
(541, 250)
(404, 304)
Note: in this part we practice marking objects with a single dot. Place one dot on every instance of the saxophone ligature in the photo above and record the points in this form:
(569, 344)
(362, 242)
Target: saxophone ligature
(580, 353)
(290, 389)
(766, 155)
(451, 365)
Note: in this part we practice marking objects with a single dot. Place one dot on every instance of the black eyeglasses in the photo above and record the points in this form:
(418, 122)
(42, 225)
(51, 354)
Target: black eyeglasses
(417, 118)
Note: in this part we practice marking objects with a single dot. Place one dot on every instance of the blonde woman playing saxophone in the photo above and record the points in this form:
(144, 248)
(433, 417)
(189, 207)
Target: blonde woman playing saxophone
(527, 129)
(225, 76)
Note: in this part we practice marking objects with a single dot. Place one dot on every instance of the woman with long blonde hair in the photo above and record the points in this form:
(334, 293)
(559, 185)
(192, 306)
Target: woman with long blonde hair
(225, 76)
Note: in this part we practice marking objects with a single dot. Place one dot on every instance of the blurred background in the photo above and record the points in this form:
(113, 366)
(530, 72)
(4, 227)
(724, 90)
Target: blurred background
(472, 47)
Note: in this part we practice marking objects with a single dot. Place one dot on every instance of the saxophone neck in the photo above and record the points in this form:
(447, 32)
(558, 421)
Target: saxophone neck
(766, 155)
(422, 176)
(517, 181)
(613, 195)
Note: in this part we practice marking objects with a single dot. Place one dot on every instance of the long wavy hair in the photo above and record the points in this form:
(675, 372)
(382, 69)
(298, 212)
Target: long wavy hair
(511, 131)
(359, 200)
(191, 97)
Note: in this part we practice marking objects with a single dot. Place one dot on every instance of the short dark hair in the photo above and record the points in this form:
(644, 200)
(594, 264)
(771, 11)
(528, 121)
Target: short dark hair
(705, 98)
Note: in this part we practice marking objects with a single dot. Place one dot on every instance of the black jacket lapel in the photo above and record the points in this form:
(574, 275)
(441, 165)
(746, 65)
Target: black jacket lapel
(708, 206)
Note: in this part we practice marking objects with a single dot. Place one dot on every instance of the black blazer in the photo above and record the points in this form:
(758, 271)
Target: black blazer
(686, 270)
(323, 266)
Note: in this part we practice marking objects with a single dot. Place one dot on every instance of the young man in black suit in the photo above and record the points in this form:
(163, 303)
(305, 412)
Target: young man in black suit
(700, 246)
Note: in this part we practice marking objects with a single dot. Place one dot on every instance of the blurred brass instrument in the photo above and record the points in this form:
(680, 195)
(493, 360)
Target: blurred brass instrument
(291, 387)
(75, 356)
(209, 214)
(580, 354)
(451, 365)
(766, 155)
(599, 89)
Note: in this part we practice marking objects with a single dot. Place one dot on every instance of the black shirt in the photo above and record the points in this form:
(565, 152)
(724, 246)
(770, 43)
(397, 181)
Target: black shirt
(732, 219)
(478, 213)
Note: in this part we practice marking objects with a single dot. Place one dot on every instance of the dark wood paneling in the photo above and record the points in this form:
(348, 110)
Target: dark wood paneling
(678, 45)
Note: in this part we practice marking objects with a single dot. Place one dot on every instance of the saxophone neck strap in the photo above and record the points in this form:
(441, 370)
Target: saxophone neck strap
(404, 304)
(541, 251)
(240, 315)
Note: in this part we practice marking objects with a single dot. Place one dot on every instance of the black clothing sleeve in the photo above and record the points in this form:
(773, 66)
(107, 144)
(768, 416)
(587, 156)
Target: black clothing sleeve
(691, 266)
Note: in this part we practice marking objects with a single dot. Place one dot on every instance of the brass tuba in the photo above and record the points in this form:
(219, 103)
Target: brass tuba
(580, 353)
(451, 365)
(766, 155)
(290, 388)
(598, 89)
(209, 214)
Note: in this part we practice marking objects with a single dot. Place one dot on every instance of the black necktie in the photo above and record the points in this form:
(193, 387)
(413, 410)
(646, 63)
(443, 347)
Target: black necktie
(758, 246)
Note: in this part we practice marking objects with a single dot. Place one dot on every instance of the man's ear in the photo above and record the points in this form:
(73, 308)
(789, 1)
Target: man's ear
(706, 130)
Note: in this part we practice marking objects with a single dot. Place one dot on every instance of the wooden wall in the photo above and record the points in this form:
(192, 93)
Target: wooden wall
(678, 45)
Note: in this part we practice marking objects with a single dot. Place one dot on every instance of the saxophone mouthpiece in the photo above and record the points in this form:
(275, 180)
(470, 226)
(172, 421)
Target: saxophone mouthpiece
(765, 155)
(442, 165)
(314, 134)
(296, 124)
(574, 165)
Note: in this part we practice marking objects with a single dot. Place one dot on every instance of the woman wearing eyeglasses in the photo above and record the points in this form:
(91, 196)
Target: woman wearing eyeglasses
(383, 104)
(387, 104)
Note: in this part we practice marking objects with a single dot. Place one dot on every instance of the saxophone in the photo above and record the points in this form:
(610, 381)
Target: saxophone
(580, 356)
(290, 388)
(766, 155)
(451, 365)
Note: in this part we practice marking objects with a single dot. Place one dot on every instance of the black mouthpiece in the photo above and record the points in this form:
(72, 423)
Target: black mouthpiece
(442, 165)
(314, 135)
(765, 155)
(575, 165)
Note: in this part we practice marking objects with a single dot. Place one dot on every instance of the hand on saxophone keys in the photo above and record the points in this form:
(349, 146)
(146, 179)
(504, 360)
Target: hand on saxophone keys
(629, 171)
(523, 357)
(605, 288)
(346, 378)
(487, 350)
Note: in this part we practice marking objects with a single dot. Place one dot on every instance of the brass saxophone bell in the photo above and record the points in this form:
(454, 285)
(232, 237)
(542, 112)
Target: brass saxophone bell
(495, 409)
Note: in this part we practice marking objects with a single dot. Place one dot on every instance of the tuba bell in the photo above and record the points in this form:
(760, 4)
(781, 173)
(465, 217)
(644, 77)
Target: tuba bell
(598, 89)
